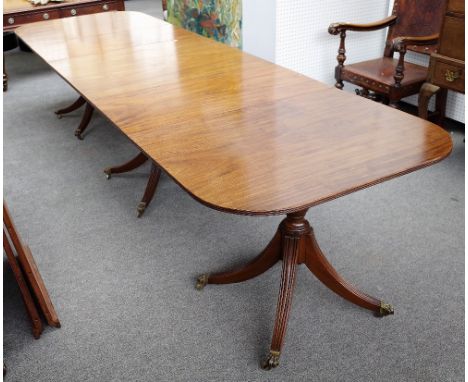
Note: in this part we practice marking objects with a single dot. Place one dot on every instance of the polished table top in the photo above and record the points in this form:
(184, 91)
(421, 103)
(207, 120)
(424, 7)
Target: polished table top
(238, 133)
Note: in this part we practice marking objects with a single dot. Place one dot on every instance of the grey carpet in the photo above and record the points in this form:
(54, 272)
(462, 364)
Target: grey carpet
(124, 287)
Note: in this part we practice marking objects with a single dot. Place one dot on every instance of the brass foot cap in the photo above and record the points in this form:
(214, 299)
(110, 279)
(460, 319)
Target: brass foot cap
(78, 134)
(385, 310)
(201, 282)
(59, 116)
(108, 173)
(141, 208)
(272, 361)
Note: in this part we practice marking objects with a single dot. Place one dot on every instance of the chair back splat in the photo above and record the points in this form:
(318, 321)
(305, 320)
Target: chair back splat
(418, 19)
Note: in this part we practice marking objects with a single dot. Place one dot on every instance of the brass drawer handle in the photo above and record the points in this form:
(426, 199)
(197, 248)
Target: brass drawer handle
(451, 76)
(45, 16)
(105, 7)
(11, 20)
(73, 12)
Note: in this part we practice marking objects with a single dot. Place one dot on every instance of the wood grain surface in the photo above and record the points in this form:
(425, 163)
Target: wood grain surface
(238, 133)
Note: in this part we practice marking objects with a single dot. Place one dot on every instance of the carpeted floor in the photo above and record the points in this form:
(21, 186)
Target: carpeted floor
(124, 287)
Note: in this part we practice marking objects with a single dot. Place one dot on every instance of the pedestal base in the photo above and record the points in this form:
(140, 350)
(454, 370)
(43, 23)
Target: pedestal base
(153, 179)
(294, 243)
(84, 120)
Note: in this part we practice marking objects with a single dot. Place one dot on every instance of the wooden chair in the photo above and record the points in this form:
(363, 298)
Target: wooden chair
(414, 26)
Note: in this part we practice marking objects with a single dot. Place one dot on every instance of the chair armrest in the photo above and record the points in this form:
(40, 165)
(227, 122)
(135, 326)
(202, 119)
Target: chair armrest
(400, 43)
(336, 28)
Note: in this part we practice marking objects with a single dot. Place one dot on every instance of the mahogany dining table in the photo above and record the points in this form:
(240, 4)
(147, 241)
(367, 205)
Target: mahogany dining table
(239, 134)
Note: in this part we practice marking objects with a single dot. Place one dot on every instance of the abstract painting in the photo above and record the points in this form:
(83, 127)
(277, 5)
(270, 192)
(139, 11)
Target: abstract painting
(217, 19)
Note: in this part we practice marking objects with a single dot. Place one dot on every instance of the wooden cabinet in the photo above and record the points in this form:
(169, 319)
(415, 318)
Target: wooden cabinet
(13, 21)
(447, 66)
(18, 13)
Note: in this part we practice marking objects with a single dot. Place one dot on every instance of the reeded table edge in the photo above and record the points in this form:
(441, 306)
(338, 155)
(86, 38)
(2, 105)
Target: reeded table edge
(307, 205)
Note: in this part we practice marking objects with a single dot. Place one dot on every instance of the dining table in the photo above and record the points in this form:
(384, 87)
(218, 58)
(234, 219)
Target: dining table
(239, 134)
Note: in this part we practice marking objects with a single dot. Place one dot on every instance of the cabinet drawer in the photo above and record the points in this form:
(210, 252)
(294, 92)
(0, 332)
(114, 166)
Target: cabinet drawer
(13, 21)
(457, 6)
(89, 9)
(449, 76)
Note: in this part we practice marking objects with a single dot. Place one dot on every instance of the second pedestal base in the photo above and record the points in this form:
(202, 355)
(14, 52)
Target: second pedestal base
(153, 179)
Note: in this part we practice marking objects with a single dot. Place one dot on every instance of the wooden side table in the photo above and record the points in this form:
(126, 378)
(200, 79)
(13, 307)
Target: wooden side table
(447, 67)
(20, 12)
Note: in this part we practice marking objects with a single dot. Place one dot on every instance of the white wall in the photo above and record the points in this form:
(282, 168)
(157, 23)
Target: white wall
(259, 28)
(304, 45)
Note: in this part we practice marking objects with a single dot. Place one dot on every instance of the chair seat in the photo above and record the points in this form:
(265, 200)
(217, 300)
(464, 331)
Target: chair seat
(382, 70)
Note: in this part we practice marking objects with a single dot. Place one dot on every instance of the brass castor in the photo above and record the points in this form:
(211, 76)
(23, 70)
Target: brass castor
(59, 116)
(141, 208)
(201, 282)
(108, 173)
(385, 310)
(78, 135)
(272, 361)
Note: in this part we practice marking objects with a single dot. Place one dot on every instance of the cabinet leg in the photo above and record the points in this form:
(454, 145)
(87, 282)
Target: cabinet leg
(441, 104)
(425, 94)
